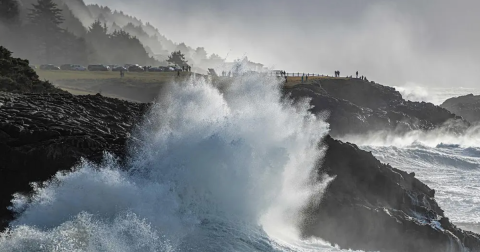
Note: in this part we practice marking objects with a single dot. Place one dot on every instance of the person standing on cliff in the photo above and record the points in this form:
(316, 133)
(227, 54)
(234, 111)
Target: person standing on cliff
(357, 74)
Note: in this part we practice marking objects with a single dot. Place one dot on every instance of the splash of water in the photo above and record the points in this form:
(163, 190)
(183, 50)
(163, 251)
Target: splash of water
(207, 169)
(441, 136)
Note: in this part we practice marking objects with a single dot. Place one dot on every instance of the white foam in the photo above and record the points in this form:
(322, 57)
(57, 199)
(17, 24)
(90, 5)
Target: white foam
(206, 170)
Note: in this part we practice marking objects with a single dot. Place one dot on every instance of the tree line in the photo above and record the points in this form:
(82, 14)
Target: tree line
(41, 38)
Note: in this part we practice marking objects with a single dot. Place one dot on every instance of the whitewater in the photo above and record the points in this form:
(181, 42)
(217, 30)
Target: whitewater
(207, 171)
(445, 161)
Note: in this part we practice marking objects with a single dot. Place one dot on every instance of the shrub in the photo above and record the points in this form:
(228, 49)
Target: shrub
(17, 76)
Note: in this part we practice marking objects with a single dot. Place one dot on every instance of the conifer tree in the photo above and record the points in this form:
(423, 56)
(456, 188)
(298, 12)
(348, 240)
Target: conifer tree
(177, 58)
(9, 12)
(45, 18)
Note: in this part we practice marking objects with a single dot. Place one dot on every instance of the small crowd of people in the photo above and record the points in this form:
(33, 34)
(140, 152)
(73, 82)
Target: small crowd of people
(225, 74)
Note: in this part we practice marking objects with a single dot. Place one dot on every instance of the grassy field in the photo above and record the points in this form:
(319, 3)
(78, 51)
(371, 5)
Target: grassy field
(54, 76)
(135, 86)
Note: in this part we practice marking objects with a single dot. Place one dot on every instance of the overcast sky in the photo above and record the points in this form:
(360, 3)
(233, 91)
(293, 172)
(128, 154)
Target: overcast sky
(427, 42)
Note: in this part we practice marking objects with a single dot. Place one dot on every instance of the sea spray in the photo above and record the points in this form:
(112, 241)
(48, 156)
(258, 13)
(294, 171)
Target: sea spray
(205, 167)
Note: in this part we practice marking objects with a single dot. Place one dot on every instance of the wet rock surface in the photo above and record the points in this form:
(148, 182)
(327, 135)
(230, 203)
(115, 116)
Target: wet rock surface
(375, 207)
(359, 107)
(467, 106)
(369, 205)
(41, 134)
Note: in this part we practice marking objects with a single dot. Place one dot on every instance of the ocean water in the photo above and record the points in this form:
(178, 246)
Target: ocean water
(230, 171)
(448, 163)
(435, 95)
(209, 171)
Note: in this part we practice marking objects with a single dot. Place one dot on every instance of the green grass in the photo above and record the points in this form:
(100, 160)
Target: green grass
(135, 86)
(60, 75)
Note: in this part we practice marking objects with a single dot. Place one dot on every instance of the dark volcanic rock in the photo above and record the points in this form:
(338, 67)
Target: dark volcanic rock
(467, 106)
(368, 205)
(358, 107)
(43, 134)
(372, 206)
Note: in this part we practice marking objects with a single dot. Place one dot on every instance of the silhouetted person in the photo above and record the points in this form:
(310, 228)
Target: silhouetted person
(306, 78)
(178, 73)
(286, 81)
(302, 79)
(357, 74)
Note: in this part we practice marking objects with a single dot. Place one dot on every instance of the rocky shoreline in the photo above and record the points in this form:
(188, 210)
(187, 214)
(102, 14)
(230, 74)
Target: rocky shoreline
(41, 134)
(369, 205)
(359, 107)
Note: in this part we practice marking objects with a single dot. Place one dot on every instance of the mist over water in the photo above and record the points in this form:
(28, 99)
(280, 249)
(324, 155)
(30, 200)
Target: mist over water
(208, 171)
(436, 95)
(445, 161)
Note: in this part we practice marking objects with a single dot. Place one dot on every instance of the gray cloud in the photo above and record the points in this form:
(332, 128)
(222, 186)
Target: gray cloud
(433, 43)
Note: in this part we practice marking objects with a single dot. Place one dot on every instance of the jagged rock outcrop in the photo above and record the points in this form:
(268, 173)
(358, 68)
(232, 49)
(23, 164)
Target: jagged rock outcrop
(41, 134)
(368, 205)
(467, 106)
(375, 207)
(358, 107)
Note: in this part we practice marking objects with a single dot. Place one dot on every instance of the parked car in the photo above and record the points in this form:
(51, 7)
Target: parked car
(119, 68)
(156, 69)
(49, 67)
(66, 67)
(78, 68)
(97, 68)
(136, 68)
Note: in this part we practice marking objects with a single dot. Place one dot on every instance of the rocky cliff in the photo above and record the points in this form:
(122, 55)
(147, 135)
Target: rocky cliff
(375, 207)
(368, 205)
(467, 106)
(357, 107)
(43, 134)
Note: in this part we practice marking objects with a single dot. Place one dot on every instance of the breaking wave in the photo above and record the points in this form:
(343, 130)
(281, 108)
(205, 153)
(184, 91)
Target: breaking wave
(445, 161)
(208, 171)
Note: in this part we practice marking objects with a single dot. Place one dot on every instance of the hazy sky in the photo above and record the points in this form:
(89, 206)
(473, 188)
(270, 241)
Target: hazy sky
(427, 42)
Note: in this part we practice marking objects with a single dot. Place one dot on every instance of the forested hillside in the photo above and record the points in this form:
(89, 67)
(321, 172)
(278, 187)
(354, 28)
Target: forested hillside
(69, 31)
